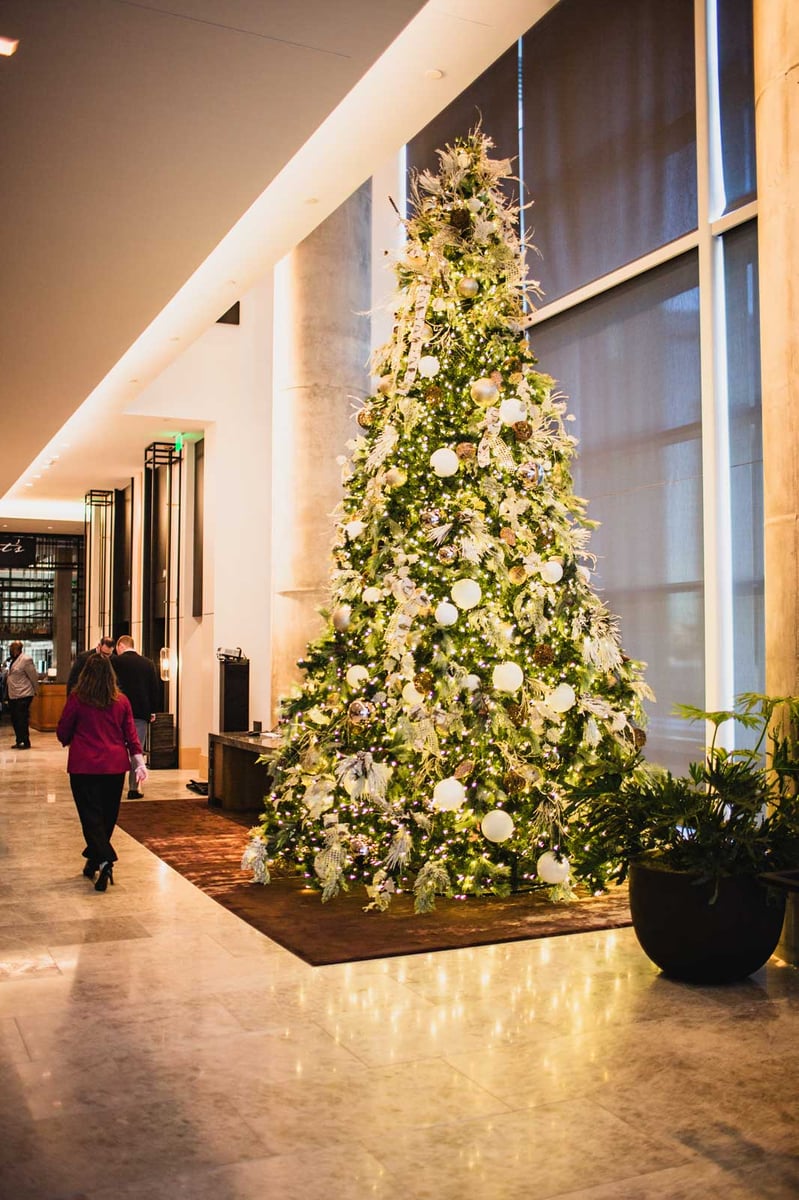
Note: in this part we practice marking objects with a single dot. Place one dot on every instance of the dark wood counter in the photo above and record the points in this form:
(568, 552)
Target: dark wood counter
(47, 706)
(236, 780)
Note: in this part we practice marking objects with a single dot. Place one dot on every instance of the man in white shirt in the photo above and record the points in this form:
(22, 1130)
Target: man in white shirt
(22, 684)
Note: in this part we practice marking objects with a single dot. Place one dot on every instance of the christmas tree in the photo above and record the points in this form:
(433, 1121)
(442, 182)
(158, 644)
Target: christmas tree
(468, 680)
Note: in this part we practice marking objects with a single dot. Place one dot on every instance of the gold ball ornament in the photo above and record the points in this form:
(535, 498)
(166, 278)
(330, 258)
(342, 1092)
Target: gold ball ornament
(466, 450)
(434, 394)
(395, 477)
(517, 574)
(360, 711)
(508, 536)
(385, 385)
(523, 431)
(365, 418)
(639, 737)
(484, 392)
(432, 517)
(447, 555)
(468, 287)
(464, 769)
(513, 782)
(543, 655)
(424, 682)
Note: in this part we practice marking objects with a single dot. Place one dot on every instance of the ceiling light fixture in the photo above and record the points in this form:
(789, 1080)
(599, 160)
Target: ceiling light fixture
(434, 73)
(8, 46)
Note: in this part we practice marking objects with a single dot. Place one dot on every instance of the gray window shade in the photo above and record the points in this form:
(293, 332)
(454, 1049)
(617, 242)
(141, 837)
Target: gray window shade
(494, 98)
(737, 100)
(629, 363)
(609, 134)
(746, 455)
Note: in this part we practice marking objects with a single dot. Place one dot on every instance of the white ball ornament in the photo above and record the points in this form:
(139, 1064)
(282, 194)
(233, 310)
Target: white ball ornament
(444, 462)
(466, 593)
(484, 392)
(356, 676)
(341, 617)
(584, 574)
(552, 870)
(449, 794)
(552, 571)
(497, 825)
(472, 683)
(562, 698)
(354, 529)
(371, 595)
(446, 614)
(428, 366)
(395, 477)
(507, 677)
(512, 410)
(468, 287)
(411, 695)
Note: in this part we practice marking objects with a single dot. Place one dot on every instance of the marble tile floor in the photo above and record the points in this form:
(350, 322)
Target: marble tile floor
(152, 1045)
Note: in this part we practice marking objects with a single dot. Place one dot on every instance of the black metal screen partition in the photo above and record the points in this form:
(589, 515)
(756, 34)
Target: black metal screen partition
(122, 572)
(98, 522)
(161, 568)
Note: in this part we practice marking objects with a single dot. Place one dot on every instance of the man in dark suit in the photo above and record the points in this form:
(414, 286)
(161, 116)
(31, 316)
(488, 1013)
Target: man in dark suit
(138, 681)
(104, 646)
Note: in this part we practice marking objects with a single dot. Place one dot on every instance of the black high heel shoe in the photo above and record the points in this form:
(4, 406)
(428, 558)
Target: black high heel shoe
(90, 870)
(105, 877)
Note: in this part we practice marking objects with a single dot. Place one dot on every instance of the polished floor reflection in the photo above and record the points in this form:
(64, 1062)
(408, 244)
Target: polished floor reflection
(152, 1045)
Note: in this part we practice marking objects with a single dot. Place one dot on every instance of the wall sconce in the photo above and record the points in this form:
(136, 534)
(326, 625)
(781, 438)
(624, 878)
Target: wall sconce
(165, 664)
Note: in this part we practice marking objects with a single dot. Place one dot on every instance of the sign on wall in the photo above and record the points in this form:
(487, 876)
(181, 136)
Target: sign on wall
(17, 551)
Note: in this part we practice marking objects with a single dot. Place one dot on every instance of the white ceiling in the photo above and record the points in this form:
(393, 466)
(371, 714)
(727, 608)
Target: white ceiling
(156, 158)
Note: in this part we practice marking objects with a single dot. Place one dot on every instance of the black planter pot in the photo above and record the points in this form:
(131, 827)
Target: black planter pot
(696, 941)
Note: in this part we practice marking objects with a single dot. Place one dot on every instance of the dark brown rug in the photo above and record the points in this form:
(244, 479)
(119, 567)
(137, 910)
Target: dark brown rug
(205, 846)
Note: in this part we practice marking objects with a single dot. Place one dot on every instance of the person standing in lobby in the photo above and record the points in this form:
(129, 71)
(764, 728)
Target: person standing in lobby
(139, 682)
(104, 646)
(22, 684)
(97, 725)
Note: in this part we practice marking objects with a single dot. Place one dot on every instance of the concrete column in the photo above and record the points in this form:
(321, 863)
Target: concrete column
(322, 341)
(776, 34)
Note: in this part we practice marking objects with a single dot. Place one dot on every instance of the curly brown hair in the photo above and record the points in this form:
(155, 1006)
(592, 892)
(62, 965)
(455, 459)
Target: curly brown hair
(97, 682)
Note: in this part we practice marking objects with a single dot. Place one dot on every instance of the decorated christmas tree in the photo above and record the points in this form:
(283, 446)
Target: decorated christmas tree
(468, 680)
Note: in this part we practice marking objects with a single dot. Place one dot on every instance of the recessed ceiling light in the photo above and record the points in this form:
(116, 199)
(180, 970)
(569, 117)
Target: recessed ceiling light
(8, 46)
(434, 73)
(28, 485)
(174, 339)
(37, 477)
(133, 381)
(312, 200)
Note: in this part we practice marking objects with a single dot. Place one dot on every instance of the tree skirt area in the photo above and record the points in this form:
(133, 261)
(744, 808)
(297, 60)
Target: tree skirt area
(205, 846)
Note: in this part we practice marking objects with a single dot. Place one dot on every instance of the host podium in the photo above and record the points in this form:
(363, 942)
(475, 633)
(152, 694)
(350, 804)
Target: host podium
(236, 780)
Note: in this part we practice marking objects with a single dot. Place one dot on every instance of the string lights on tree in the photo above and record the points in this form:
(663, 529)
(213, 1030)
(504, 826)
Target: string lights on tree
(468, 679)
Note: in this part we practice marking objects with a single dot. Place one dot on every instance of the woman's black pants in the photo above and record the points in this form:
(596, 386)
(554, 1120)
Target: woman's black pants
(97, 799)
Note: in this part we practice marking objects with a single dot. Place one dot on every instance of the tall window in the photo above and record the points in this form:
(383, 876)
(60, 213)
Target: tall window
(636, 148)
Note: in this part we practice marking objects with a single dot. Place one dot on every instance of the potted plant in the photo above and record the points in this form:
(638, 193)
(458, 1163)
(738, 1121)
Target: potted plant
(702, 850)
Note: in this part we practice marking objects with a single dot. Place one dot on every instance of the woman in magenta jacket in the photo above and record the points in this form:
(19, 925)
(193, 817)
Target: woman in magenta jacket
(97, 725)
